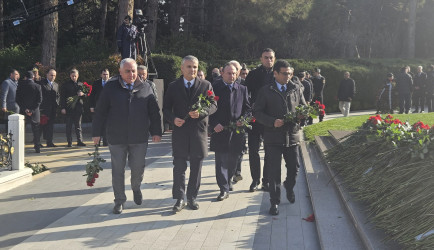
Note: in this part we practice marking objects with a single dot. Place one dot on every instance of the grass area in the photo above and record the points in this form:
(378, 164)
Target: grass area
(353, 122)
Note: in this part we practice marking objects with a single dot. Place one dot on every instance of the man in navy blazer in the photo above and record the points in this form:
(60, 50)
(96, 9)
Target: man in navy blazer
(233, 102)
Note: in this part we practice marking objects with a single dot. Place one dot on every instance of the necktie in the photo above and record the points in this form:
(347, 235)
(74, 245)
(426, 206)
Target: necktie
(103, 83)
(283, 89)
(189, 88)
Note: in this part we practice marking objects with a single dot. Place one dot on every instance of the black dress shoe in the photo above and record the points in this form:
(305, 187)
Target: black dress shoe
(37, 150)
(223, 196)
(193, 204)
(118, 208)
(237, 178)
(51, 145)
(274, 209)
(41, 146)
(138, 197)
(69, 144)
(253, 187)
(81, 144)
(179, 205)
(290, 195)
(265, 186)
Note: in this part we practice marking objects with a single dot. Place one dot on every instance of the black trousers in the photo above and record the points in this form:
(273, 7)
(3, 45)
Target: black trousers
(404, 102)
(419, 100)
(254, 159)
(35, 130)
(274, 155)
(430, 102)
(179, 167)
(225, 166)
(74, 118)
(48, 130)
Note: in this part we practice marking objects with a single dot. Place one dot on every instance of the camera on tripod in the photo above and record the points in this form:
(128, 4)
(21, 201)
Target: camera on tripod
(140, 21)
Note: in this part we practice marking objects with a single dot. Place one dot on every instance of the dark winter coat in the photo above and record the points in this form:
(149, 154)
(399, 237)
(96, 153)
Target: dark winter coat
(129, 115)
(347, 90)
(96, 92)
(308, 90)
(404, 83)
(126, 37)
(231, 106)
(419, 82)
(318, 84)
(50, 98)
(191, 139)
(70, 89)
(29, 96)
(270, 105)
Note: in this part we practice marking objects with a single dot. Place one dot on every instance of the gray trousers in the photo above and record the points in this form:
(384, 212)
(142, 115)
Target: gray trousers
(136, 161)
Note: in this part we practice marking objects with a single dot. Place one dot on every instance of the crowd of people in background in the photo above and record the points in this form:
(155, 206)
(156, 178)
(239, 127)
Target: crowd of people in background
(266, 92)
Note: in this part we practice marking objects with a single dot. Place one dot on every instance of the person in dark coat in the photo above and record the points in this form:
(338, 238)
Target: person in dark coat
(346, 92)
(233, 103)
(73, 115)
(419, 81)
(255, 80)
(143, 75)
(97, 87)
(29, 98)
(129, 110)
(307, 92)
(318, 84)
(404, 85)
(280, 138)
(48, 108)
(190, 133)
(126, 39)
(388, 96)
(430, 88)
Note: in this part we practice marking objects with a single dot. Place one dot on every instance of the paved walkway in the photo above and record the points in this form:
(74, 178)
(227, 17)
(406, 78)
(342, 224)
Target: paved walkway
(58, 211)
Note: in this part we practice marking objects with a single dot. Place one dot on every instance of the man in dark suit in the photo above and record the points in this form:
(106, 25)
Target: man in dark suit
(130, 111)
(189, 137)
(29, 98)
(233, 103)
(255, 80)
(73, 115)
(97, 87)
(280, 138)
(50, 101)
(8, 94)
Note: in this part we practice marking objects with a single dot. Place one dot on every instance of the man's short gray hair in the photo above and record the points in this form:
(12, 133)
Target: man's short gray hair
(142, 67)
(236, 64)
(73, 71)
(190, 58)
(127, 60)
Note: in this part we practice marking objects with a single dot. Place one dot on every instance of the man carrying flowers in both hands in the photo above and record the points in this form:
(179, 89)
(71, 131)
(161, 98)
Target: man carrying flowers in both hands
(272, 104)
(187, 104)
(233, 102)
(128, 108)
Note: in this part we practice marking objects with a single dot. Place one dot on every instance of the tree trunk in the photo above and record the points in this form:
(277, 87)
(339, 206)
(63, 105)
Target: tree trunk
(151, 13)
(125, 8)
(103, 21)
(49, 37)
(412, 28)
(175, 13)
(2, 43)
(186, 25)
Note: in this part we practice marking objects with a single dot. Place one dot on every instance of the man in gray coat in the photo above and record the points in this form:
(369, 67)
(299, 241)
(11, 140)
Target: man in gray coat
(128, 108)
(8, 93)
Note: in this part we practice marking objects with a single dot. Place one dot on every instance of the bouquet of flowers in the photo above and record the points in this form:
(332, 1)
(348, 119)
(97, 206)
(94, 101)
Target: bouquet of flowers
(244, 122)
(93, 167)
(302, 112)
(320, 108)
(204, 101)
(85, 88)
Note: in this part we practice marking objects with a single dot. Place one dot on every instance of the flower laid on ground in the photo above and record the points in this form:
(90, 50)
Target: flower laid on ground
(302, 112)
(93, 167)
(85, 88)
(204, 101)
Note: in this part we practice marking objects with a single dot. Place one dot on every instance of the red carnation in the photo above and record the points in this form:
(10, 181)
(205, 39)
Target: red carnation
(209, 93)
(216, 98)
(253, 119)
(321, 106)
(95, 175)
(389, 117)
(93, 180)
(321, 112)
(90, 184)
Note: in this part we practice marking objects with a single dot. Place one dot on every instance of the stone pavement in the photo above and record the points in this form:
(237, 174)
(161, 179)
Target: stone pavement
(58, 211)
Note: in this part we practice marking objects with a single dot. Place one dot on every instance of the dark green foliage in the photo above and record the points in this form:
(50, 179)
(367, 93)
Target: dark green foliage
(36, 167)
(21, 58)
(168, 67)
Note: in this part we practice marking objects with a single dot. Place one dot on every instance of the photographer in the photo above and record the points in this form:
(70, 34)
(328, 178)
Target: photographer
(126, 39)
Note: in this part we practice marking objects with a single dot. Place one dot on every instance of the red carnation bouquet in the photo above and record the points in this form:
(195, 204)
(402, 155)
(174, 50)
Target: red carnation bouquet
(204, 101)
(85, 88)
(241, 125)
(93, 167)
